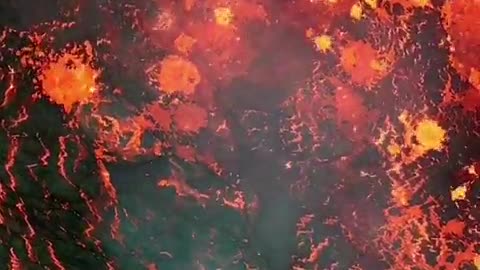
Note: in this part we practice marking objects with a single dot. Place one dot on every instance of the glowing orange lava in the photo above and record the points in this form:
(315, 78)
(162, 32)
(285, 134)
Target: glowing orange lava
(223, 16)
(184, 43)
(323, 43)
(430, 135)
(356, 12)
(178, 75)
(190, 118)
(461, 21)
(419, 137)
(69, 81)
(362, 62)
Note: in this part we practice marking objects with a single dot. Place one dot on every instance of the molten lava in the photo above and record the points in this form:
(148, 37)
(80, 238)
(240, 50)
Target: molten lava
(178, 75)
(69, 81)
(430, 135)
(223, 16)
(190, 118)
(461, 21)
(363, 63)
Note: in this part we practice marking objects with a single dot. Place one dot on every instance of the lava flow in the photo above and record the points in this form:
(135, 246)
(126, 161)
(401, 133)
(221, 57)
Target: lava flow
(266, 135)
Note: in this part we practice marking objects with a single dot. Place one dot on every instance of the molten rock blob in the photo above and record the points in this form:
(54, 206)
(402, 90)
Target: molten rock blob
(430, 135)
(363, 63)
(69, 81)
(190, 118)
(178, 75)
(461, 21)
